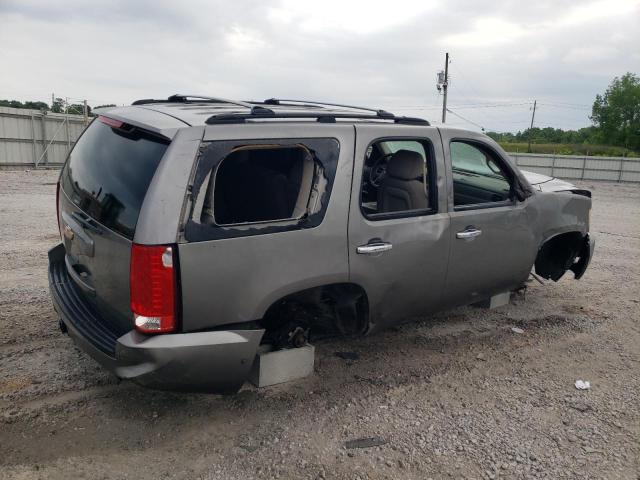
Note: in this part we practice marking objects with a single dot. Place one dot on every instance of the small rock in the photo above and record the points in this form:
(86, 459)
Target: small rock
(481, 357)
(517, 330)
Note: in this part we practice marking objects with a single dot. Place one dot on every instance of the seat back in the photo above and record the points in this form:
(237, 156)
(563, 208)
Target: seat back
(402, 188)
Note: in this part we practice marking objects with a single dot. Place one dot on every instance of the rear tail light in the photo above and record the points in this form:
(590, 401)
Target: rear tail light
(153, 287)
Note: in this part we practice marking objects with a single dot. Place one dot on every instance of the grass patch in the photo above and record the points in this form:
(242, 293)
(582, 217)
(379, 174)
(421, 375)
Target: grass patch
(570, 149)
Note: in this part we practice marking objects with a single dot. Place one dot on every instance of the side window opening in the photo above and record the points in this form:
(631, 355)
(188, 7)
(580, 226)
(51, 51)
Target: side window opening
(253, 187)
(478, 177)
(259, 184)
(398, 179)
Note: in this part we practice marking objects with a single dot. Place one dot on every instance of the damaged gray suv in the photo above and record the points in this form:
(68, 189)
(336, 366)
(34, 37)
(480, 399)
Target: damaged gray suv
(196, 229)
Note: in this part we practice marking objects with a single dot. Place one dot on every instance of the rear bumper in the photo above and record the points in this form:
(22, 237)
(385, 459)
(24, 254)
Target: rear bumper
(204, 361)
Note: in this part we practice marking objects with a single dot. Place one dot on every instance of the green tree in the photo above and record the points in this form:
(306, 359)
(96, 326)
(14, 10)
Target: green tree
(58, 105)
(616, 114)
(27, 104)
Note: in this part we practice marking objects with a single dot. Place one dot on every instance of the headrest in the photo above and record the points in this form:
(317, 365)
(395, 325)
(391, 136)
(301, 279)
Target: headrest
(406, 165)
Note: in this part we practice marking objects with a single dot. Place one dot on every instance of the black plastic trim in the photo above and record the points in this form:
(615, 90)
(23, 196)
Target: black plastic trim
(74, 308)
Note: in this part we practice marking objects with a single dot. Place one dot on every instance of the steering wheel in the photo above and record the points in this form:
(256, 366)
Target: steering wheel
(379, 170)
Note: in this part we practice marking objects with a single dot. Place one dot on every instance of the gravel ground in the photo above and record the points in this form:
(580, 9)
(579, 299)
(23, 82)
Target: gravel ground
(457, 395)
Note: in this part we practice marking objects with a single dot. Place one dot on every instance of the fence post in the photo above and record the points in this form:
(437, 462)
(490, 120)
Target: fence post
(621, 166)
(584, 165)
(66, 121)
(43, 125)
(553, 164)
(33, 139)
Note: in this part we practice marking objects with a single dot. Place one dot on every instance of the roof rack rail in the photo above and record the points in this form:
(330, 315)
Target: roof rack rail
(185, 98)
(379, 112)
(322, 117)
(180, 98)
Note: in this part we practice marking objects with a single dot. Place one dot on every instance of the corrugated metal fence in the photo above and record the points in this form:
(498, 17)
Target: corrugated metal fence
(574, 167)
(36, 138)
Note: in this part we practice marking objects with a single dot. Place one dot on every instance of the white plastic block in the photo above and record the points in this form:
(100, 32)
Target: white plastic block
(271, 368)
(499, 300)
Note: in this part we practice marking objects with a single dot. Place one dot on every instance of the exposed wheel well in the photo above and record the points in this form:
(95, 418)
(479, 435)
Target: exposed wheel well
(341, 308)
(557, 255)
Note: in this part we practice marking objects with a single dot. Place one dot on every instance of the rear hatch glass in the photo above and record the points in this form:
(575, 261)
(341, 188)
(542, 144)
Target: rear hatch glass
(108, 173)
(103, 185)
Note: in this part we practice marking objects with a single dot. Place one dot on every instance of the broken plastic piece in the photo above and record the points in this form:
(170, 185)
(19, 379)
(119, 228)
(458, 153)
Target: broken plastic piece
(364, 442)
(347, 355)
(583, 384)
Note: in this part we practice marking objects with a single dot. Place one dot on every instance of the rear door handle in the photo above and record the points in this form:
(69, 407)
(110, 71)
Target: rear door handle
(373, 248)
(469, 232)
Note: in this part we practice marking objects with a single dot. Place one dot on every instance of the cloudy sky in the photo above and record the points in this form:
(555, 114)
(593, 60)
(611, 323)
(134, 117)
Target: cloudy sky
(504, 54)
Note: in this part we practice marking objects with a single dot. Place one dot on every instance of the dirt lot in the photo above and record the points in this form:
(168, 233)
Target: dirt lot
(459, 395)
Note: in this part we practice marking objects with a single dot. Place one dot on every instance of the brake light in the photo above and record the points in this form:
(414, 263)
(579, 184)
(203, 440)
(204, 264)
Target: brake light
(153, 285)
(111, 122)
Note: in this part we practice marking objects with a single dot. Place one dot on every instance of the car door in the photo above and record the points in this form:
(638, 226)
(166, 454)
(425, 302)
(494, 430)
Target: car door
(492, 243)
(398, 254)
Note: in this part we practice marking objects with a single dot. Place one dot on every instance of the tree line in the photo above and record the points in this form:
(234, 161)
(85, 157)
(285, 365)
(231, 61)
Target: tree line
(59, 105)
(615, 116)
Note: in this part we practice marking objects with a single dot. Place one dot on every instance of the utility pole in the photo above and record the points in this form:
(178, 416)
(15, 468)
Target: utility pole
(533, 115)
(445, 84)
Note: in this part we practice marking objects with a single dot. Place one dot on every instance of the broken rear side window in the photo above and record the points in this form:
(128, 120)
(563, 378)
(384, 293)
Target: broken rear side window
(261, 187)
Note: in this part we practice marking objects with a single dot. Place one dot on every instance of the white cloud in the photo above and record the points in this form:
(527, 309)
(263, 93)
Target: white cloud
(378, 53)
(354, 16)
(486, 32)
(244, 40)
(598, 11)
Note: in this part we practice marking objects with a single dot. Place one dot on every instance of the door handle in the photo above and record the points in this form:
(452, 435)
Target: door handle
(469, 232)
(373, 248)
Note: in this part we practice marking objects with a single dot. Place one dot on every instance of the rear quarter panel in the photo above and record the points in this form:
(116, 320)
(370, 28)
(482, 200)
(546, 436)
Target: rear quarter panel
(233, 280)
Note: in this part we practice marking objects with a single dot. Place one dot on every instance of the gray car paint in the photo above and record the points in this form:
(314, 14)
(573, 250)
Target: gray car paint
(235, 280)
(545, 183)
(408, 279)
(504, 251)
(161, 211)
(106, 281)
(148, 119)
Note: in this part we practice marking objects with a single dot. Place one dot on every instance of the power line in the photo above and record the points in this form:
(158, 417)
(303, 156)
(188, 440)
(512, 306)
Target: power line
(465, 119)
(463, 106)
(570, 107)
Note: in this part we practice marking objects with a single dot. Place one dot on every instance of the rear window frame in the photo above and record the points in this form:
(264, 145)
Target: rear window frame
(325, 151)
(289, 219)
